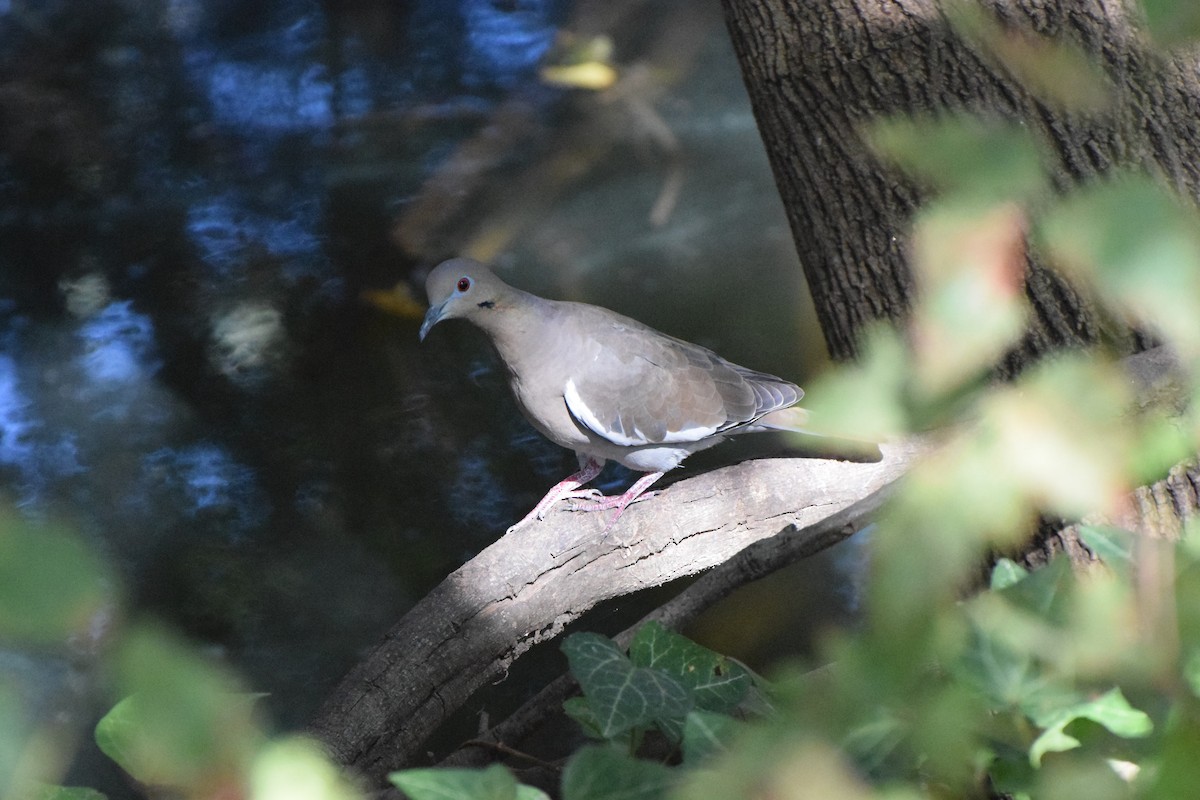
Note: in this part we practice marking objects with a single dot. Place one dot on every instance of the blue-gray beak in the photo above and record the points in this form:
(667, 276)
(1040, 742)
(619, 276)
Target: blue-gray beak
(432, 317)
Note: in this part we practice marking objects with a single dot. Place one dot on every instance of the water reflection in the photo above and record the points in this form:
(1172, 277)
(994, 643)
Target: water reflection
(119, 349)
(36, 459)
(226, 229)
(506, 42)
(204, 479)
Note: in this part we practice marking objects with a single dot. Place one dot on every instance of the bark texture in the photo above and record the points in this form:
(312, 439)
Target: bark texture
(819, 72)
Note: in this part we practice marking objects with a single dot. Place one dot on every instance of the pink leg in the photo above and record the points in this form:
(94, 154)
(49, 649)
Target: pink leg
(567, 487)
(620, 503)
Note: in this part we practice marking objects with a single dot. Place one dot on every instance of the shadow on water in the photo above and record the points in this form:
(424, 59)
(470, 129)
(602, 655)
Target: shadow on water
(194, 197)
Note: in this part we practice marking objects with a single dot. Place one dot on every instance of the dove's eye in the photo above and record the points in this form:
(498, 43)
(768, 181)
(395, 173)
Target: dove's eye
(464, 283)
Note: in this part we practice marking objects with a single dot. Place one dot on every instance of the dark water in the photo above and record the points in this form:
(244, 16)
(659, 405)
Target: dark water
(194, 197)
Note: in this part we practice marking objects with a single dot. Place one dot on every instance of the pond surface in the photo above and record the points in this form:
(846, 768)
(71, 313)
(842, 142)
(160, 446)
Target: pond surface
(197, 200)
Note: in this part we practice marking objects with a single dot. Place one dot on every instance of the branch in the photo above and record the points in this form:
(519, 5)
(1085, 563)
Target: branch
(756, 561)
(527, 587)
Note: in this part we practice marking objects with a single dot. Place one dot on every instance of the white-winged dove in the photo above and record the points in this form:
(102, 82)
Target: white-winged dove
(607, 386)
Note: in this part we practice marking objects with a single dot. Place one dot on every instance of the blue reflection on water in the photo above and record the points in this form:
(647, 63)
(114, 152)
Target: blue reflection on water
(211, 483)
(39, 457)
(119, 345)
(267, 83)
(355, 92)
(224, 229)
(270, 98)
(15, 420)
(504, 45)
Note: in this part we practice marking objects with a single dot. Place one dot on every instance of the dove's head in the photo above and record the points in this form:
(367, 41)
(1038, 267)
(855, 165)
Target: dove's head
(463, 288)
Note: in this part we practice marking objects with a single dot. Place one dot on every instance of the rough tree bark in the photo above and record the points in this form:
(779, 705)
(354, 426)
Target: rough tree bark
(818, 72)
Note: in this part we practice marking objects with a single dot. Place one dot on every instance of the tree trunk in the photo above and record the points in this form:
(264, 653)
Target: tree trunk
(818, 72)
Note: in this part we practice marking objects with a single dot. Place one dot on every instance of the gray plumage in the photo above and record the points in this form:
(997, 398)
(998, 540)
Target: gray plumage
(607, 386)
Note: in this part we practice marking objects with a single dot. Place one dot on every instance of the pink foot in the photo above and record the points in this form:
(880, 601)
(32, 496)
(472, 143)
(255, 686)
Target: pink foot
(568, 487)
(634, 494)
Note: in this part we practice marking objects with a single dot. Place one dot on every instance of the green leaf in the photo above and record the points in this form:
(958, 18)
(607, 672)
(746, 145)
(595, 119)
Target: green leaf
(15, 733)
(621, 696)
(714, 682)
(602, 773)
(1056, 70)
(1191, 671)
(1005, 676)
(969, 268)
(577, 708)
(1172, 22)
(492, 783)
(866, 400)
(1011, 773)
(65, 793)
(1111, 545)
(706, 734)
(964, 153)
(1061, 435)
(873, 741)
(1178, 771)
(184, 724)
(51, 585)
(1110, 709)
(297, 768)
(1139, 248)
(1006, 573)
(1045, 592)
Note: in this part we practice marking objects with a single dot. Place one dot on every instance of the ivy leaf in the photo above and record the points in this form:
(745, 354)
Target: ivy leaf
(603, 773)
(715, 682)
(65, 793)
(493, 783)
(706, 734)
(577, 708)
(621, 696)
(1110, 709)
(1111, 545)
(864, 401)
(1045, 592)
(1058, 72)
(1006, 573)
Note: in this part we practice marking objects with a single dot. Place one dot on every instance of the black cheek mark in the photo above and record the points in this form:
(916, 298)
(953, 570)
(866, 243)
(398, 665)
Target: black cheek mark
(486, 304)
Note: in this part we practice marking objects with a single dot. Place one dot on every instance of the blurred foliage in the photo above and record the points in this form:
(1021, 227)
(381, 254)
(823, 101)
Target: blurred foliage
(1172, 22)
(493, 783)
(180, 724)
(53, 590)
(1056, 70)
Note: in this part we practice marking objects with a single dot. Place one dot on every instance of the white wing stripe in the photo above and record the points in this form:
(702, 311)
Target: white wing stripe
(588, 419)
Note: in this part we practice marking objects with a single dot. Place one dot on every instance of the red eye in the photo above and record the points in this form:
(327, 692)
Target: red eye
(464, 284)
